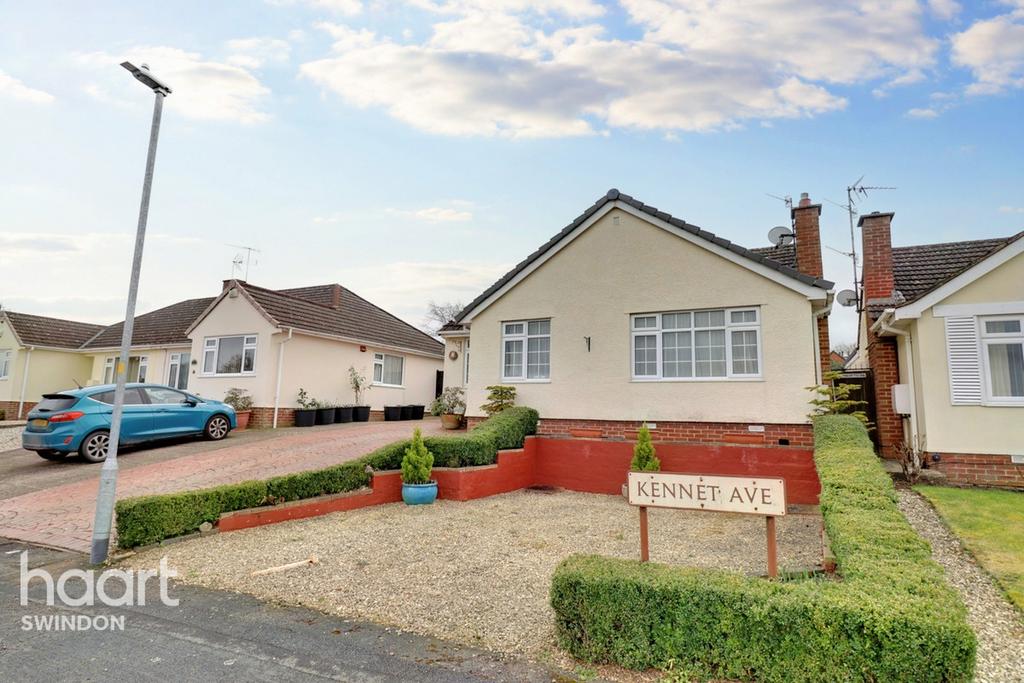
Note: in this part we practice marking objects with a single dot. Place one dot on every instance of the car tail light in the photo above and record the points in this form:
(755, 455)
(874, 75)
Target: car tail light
(66, 417)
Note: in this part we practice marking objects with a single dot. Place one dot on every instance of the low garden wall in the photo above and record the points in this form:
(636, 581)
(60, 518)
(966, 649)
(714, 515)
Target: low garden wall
(889, 616)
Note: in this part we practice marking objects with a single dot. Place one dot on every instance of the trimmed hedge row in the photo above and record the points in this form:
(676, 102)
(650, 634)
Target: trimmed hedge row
(150, 519)
(891, 617)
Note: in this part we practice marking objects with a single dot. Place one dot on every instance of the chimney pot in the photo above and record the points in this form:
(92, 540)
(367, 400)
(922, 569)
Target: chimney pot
(805, 199)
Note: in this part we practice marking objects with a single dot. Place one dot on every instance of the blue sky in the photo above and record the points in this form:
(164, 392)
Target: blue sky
(415, 151)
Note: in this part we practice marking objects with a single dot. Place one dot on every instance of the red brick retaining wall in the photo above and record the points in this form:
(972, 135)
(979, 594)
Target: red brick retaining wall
(800, 435)
(587, 465)
(981, 470)
(10, 408)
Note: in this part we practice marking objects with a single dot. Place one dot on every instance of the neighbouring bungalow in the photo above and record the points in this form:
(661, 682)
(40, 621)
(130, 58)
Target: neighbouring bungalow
(274, 342)
(160, 351)
(942, 329)
(629, 315)
(39, 355)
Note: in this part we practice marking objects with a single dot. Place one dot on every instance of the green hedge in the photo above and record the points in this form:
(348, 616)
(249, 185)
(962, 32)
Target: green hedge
(889, 616)
(150, 519)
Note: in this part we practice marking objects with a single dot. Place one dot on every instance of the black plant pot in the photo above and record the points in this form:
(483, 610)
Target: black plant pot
(305, 417)
(325, 416)
(343, 414)
(407, 412)
(360, 413)
(392, 413)
(417, 412)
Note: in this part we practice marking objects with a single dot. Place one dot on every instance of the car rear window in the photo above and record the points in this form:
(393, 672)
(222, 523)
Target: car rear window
(52, 402)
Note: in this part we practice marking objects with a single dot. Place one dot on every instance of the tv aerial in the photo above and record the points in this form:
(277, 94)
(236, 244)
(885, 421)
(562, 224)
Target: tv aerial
(780, 236)
(787, 200)
(239, 261)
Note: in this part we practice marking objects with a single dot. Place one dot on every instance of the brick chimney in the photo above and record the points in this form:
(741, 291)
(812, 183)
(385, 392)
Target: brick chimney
(336, 297)
(883, 357)
(876, 250)
(805, 217)
(807, 237)
(226, 284)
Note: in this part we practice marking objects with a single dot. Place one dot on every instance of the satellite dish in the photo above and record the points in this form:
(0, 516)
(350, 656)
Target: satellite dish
(847, 297)
(780, 235)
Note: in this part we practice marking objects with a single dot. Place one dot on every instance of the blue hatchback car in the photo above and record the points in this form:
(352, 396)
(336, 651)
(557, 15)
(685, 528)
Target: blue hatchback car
(79, 419)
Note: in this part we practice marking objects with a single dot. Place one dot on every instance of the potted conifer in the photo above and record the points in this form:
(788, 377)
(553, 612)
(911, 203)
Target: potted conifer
(644, 458)
(417, 487)
(241, 401)
(305, 415)
(359, 384)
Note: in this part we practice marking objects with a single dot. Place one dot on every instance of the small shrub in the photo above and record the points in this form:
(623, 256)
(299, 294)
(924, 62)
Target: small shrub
(911, 459)
(358, 382)
(3, 415)
(418, 461)
(644, 459)
(832, 397)
(305, 401)
(499, 398)
(239, 399)
(452, 401)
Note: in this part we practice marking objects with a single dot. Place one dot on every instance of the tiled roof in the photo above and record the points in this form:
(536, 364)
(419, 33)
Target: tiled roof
(324, 295)
(161, 327)
(784, 254)
(452, 326)
(615, 195)
(37, 330)
(919, 269)
(356, 318)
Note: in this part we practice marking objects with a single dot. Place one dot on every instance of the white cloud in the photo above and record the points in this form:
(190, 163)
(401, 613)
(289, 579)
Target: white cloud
(944, 9)
(347, 7)
(252, 53)
(518, 69)
(435, 214)
(13, 88)
(993, 49)
(202, 89)
(923, 113)
(1011, 209)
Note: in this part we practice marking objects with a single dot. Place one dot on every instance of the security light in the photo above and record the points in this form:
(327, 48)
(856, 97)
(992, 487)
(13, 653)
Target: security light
(143, 75)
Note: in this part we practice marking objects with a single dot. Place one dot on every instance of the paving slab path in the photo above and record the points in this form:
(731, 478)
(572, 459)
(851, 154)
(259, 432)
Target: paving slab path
(61, 516)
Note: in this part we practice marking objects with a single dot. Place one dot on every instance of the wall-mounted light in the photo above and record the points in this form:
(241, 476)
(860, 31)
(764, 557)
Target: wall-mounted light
(362, 347)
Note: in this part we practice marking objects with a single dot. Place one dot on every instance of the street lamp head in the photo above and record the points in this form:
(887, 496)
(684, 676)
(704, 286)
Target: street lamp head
(143, 75)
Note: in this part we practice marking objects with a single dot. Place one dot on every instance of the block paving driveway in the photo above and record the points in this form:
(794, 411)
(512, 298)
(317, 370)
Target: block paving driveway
(53, 503)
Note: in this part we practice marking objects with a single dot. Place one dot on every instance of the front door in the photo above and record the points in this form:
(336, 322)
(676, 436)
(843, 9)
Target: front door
(177, 373)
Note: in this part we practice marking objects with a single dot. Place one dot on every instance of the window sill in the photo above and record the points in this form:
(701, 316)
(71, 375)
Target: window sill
(387, 386)
(695, 380)
(525, 381)
(1002, 404)
(236, 375)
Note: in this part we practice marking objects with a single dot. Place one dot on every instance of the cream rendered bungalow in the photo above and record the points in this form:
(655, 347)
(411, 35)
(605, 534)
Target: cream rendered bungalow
(274, 342)
(942, 329)
(631, 315)
(39, 355)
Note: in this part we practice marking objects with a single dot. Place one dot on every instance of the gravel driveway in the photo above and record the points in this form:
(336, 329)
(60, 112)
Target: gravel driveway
(10, 438)
(995, 621)
(477, 572)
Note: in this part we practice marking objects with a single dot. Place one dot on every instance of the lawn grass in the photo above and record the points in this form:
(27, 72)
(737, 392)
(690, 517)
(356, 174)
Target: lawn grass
(991, 524)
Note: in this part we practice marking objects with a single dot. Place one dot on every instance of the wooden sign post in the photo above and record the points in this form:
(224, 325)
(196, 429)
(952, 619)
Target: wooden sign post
(711, 493)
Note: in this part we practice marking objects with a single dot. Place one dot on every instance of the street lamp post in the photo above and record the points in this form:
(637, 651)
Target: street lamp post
(108, 473)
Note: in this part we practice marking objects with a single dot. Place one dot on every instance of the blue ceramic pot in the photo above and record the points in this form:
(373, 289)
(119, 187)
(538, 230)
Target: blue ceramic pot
(419, 494)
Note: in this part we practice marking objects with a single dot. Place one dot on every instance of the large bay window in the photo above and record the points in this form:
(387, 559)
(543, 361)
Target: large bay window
(388, 370)
(701, 345)
(526, 350)
(1002, 340)
(234, 355)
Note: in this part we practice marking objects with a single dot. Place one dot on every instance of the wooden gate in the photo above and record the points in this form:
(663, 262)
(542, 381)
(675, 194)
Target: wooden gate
(864, 391)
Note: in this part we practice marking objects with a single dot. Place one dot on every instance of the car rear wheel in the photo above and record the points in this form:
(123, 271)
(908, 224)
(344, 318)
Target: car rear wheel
(51, 455)
(94, 447)
(217, 427)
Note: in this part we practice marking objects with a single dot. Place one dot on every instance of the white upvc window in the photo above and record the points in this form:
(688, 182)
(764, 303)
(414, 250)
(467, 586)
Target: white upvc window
(230, 355)
(526, 351)
(5, 363)
(722, 343)
(388, 370)
(138, 367)
(1002, 343)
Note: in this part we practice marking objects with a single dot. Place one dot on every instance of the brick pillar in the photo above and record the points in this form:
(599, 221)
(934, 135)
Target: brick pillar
(878, 290)
(807, 232)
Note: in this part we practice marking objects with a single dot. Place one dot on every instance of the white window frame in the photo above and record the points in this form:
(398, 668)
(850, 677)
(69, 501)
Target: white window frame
(525, 337)
(986, 338)
(110, 367)
(378, 360)
(214, 348)
(729, 327)
(6, 356)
